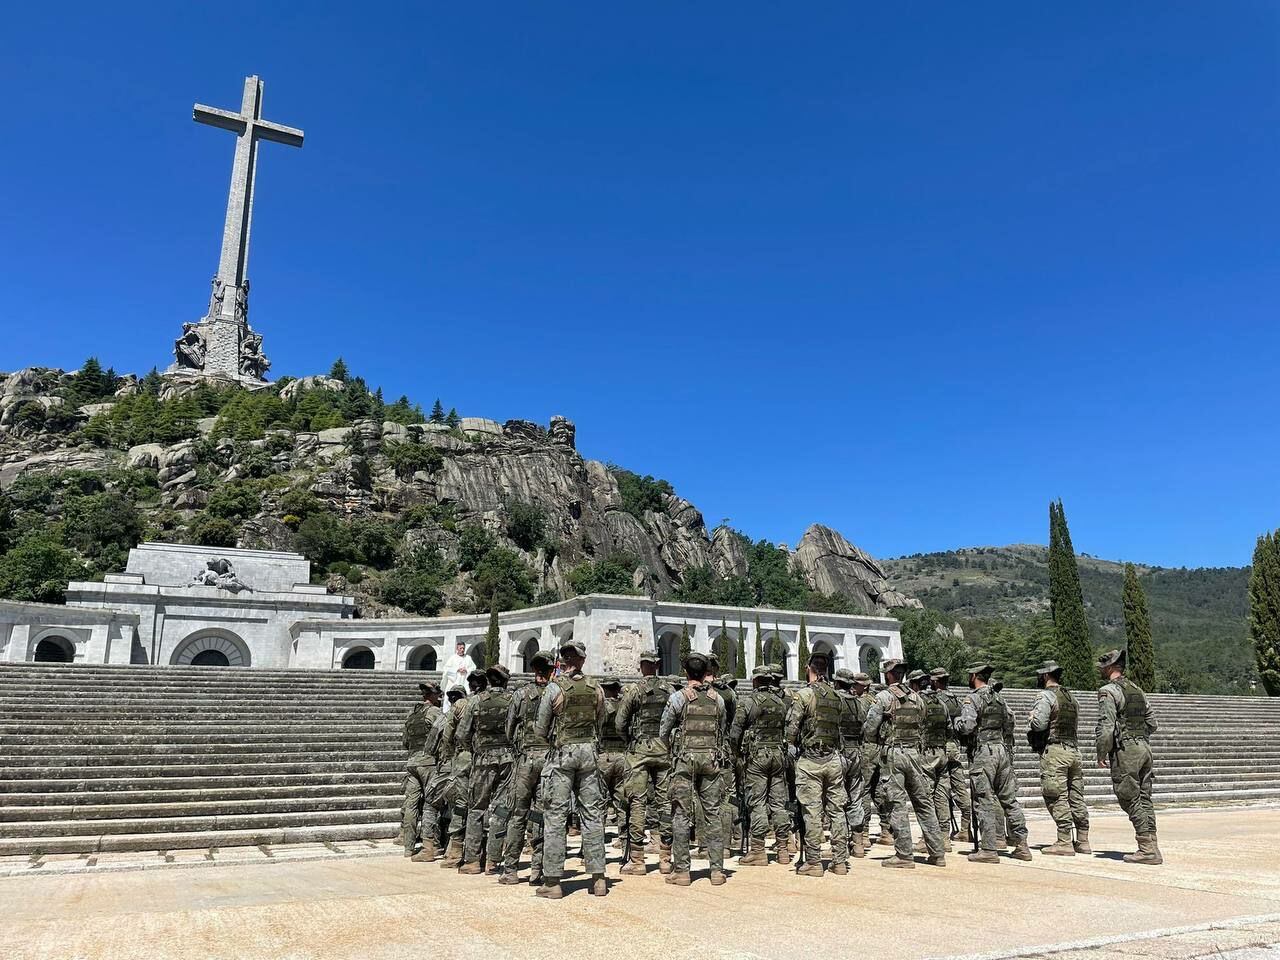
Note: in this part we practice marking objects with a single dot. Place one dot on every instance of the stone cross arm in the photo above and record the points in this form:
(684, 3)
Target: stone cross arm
(235, 122)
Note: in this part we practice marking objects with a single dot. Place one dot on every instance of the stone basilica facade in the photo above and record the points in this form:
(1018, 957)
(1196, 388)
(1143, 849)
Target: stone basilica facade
(192, 605)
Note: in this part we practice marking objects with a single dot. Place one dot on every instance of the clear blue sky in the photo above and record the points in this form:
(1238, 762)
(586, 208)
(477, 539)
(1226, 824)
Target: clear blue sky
(908, 270)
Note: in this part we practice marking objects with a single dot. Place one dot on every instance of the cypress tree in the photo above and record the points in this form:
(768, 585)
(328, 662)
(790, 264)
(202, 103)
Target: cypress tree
(722, 646)
(759, 644)
(1141, 660)
(492, 640)
(1066, 606)
(802, 654)
(686, 647)
(740, 668)
(1264, 610)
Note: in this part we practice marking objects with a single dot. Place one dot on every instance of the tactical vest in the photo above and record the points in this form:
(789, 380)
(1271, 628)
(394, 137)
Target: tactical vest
(991, 717)
(952, 703)
(416, 728)
(489, 721)
(1133, 720)
(646, 721)
(431, 746)
(531, 698)
(700, 729)
(850, 720)
(768, 727)
(823, 729)
(935, 722)
(610, 740)
(906, 717)
(577, 720)
(1063, 728)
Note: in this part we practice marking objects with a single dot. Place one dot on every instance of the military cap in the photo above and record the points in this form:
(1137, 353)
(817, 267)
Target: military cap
(573, 646)
(429, 687)
(862, 678)
(477, 680)
(844, 675)
(890, 665)
(819, 655)
(1049, 666)
(694, 661)
(610, 681)
(915, 675)
(982, 669)
(939, 673)
(650, 656)
(713, 663)
(775, 669)
(733, 683)
(1111, 657)
(498, 672)
(544, 657)
(455, 694)
(760, 671)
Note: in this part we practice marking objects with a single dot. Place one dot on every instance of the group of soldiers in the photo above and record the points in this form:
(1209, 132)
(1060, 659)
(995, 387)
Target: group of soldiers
(507, 770)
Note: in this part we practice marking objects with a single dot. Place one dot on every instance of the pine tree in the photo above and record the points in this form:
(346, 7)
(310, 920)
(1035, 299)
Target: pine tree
(452, 419)
(437, 412)
(760, 661)
(1066, 606)
(686, 647)
(492, 639)
(339, 370)
(740, 667)
(1264, 610)
(1141, 660)
(802, 655)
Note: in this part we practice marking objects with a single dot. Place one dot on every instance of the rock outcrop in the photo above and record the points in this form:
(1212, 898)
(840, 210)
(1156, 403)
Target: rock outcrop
(831, 564)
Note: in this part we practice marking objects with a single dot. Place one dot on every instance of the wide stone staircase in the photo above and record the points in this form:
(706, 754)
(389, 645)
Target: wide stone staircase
(104, 758)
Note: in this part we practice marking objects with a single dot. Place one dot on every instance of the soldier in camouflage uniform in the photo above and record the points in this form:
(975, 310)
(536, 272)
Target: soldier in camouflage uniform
(484, 731)
(813, 733)
(440, 786)
(613, 752)
(777, 674)
(985, 719)
(693, 727)
(933, 755)
(953, 781)
(639, 718)
(419, 819)
(531, 754)
(756, 738)
(1125, 724)
(458, 754)
(896, 722)
(853, 711)
(729, 791)
(1051, 733)
(569, 717)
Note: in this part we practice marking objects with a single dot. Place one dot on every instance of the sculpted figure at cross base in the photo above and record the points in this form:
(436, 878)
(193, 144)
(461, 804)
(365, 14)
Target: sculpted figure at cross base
(253, 362)
(221, 574)
(190, 348)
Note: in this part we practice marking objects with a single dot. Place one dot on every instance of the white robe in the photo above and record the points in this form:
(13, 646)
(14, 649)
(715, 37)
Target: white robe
(456, 670)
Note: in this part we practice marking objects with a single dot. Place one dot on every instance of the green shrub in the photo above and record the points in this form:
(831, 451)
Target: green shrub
(640, 493)
(38, 569)
(212, 531)
(235, 500)
(610, 575)
(526, 525)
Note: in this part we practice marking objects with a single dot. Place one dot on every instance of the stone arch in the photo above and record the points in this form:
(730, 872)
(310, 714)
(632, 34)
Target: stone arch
(422, 658)
(869, 660)
(477, 652)
(775, 651)
(527, 649)
(668, 646)
(359, 658)
(225, 642)
(726, 650)
(53, 648)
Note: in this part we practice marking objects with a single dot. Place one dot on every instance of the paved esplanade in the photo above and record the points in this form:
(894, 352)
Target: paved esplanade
(222, 343)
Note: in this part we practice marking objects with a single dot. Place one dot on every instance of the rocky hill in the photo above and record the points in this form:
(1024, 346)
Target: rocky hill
(412, 513)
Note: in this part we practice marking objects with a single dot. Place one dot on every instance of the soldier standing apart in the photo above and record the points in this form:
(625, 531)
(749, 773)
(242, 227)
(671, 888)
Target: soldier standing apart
(419, 819)
(896, 722)
(693, 727)
(484, 731)
(613, 750)
(459, 754)
(853, 712)
(756, 735)
(639, 718)
(531, 754)
(1052, 734)
(984, 717)
(569, 717)
(953, 783)
(933, 755)
(813, 733)
(1125, 725)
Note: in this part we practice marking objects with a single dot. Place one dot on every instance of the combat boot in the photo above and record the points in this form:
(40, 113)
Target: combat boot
(634, 867)
(428, 852)
(718, 878)
(550, 891)
(840, 869)
(984, 856)
(758, 857)
(1082, 841)
(901, 863)
(472, 869)
(920, 847)
(964, 834)
(535, 877)
(811, 869)
(1021, 851)
(1148, 851)
(886, 838)
(936, 860)
(599, 886)
(679, 879)
(452, 856)
(783, 851)
(1061, 847)
(509, 877)
(857, 848)
(664, 858)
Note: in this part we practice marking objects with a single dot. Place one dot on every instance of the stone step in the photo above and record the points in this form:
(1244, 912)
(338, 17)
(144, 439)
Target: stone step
(220, 807)
(302, 776)
(35, 829)
(90, 842)
(258, 768)
(25, 743)
(19, 753)
(70, 799)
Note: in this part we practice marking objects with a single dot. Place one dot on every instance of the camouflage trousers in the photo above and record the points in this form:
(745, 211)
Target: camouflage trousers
(1133, 779)
(951, 795)
(1062, 783)
(488, 808)
(995, 795)
(571, 782)
(645, 793)
(906, 780)
(526, 813)
(821, 795)
(870, 782)
(458, 793)
(419, 820)
(613, 774)
(855, 814)
(765, 776)
(696, 781)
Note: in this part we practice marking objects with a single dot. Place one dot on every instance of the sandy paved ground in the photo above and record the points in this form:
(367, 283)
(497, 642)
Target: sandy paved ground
(1219, 890)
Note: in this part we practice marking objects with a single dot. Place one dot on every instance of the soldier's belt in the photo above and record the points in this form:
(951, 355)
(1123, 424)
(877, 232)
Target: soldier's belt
(1062, 742)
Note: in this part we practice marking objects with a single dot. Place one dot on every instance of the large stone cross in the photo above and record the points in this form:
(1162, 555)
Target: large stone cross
(249, 128)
